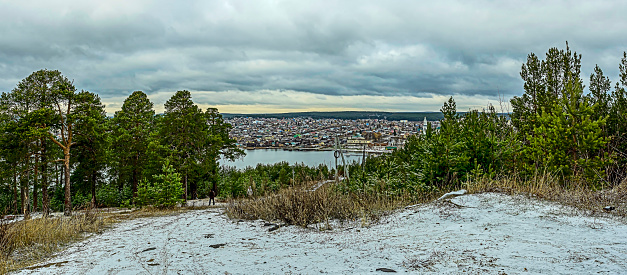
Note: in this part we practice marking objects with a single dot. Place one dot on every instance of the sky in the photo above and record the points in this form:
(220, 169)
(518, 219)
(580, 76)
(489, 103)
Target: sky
(284, 56)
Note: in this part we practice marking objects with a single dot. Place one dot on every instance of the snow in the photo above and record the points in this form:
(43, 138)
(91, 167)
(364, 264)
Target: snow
(475, 233)
(453, 194)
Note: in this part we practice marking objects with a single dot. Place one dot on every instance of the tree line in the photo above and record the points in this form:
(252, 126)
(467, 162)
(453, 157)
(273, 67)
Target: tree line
(556, 128)
(59, 150)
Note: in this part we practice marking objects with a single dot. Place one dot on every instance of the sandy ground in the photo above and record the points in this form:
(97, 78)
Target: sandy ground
(477, 233)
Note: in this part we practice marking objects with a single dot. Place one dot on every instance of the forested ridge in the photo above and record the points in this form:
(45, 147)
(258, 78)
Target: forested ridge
(59, 150)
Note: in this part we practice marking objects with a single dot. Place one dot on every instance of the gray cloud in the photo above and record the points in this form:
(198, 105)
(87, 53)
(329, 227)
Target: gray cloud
(335, 48)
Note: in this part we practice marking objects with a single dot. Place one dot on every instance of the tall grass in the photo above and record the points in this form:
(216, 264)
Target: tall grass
(25, 242)
(546, 186)
(299, 206)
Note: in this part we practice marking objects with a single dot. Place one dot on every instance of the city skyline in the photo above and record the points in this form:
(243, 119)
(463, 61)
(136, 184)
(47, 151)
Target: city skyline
(280, 56)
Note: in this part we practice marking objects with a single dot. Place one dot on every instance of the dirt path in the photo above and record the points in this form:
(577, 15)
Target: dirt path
(475, 234)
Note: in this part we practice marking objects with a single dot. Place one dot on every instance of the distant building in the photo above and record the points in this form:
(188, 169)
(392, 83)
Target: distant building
(358, 141)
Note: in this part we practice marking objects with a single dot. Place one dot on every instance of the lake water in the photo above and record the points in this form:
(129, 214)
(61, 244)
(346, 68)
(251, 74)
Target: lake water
(270, 156)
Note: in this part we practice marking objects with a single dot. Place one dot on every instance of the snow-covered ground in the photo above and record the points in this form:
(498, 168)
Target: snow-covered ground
(476, 233)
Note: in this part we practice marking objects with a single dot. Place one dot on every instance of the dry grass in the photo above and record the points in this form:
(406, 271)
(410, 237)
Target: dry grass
(301, 207)
(26, 242)
(298, 206)
(577, 194)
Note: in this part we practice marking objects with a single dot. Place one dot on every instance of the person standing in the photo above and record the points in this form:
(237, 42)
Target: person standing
(212, 195)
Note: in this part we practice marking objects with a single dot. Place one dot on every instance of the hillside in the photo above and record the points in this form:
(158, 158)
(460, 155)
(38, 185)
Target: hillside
(476, 234)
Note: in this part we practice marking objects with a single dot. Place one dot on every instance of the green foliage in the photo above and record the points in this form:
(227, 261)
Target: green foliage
(569, 142)
(465, 143)
(264, 179)
(194, 140)
(5, 200)
(108, 196)
(57, 200)
(131, 130)
(562, 131)
(164, 191)
(81, 201)
(91, 145)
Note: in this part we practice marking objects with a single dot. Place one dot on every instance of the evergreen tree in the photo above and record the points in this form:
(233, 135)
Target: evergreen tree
(567, 139)
(544, 84)
(91, 144)
(560, 129)
(43, 103)
(183, 130)
(616, 126)
(131, 130)
(218, 145)
(164, 191)
(62, 97)
(599, 93)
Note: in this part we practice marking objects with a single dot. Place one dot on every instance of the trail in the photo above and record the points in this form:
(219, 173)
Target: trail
(475, 234)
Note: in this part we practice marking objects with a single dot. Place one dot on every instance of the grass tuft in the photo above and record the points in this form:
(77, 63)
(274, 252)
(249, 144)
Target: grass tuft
(299, 206)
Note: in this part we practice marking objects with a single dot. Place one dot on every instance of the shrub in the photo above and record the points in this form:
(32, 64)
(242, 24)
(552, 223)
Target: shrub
(107, 195)
(302, 207)
(297, 206)
(164, 192)
(80, 200)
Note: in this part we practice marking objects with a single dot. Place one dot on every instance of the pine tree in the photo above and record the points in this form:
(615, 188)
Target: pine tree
(130, 131)
(91, 143)
(44, 102)
(182, 129)
(568, 140)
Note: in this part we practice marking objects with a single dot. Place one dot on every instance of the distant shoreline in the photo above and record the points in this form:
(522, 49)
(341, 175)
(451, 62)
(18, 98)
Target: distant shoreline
(350, 115)
(353, 115)
(370, 151)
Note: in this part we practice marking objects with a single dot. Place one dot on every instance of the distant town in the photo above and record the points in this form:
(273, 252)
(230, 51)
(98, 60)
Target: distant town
(306, 133)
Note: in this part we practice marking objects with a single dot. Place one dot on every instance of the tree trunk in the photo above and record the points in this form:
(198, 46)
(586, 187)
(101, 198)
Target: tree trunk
(15, 205)
(185, 187)
(59, 170)
(22, 199)
(93, 189)
(134, 184)
(35, 185)
(194, 190)
(24, 189)
(44, 180)
(67, 211)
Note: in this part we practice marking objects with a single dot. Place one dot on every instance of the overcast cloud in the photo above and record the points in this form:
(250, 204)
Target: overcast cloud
(278, 56)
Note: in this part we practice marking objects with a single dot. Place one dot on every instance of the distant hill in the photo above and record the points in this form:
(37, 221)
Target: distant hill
(411, 116)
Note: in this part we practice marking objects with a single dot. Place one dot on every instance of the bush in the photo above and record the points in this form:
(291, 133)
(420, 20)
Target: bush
(164, 192)
(80, 200)
(297, 206)
(58, 198)
(107, 195)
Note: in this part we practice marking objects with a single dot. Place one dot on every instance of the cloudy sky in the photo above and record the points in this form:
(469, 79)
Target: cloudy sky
(279, 56)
